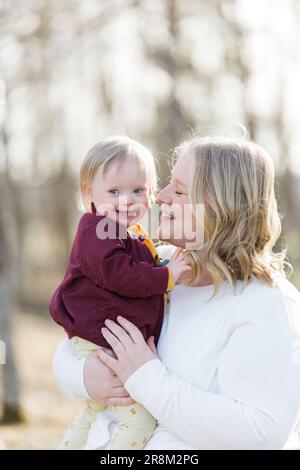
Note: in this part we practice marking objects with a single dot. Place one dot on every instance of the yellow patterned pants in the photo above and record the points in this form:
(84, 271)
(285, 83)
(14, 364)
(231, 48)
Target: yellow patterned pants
(135, 424)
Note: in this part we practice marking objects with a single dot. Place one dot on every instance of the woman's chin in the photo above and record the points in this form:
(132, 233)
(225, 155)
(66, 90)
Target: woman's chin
(164, 233)
(159, 234)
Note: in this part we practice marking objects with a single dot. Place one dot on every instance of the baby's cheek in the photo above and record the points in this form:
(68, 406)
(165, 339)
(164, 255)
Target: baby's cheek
(145, 208)
(146, 204)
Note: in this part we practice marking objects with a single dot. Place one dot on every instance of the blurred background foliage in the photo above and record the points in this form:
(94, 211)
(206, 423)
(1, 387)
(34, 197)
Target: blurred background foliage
(74, 71)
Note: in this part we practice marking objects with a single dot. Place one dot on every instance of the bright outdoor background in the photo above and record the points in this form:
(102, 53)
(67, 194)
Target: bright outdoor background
(74, 71)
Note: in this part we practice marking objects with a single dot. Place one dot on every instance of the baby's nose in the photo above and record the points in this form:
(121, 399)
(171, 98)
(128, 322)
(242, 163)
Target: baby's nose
(126, 201)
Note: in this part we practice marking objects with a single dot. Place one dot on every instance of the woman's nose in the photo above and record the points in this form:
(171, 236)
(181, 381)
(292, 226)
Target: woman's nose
(164, 197)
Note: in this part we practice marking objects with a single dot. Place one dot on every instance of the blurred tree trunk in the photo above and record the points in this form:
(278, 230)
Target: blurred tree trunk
(11, 407)
(171, 120)
(288, 197)
(236, 62)
(11, 411)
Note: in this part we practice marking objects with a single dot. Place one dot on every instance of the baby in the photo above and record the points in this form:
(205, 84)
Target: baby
(113, 270)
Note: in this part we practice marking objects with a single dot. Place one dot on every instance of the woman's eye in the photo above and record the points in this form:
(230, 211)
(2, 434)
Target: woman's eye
(138, 190)
(114, 191)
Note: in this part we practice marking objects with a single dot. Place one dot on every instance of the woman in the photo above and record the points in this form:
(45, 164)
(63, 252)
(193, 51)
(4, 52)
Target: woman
(226, 374)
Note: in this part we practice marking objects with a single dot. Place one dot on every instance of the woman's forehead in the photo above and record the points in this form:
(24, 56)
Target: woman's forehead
(182, 170)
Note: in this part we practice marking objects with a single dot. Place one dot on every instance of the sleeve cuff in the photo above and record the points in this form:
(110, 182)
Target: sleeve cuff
(140, 383)
(170, 281)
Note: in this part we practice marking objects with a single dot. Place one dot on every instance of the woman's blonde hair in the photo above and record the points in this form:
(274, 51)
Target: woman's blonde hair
(234, 179)
(109, 151)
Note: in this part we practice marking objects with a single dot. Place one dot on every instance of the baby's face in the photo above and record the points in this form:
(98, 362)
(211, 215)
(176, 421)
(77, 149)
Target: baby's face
(123, 194)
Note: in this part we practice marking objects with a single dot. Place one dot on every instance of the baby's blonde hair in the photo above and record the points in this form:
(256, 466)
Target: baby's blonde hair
(234, 179)
(109, 151)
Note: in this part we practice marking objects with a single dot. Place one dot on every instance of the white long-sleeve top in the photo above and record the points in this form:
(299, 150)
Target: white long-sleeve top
(228, 373)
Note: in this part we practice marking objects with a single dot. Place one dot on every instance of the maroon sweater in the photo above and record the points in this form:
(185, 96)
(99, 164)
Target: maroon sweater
(107, 278)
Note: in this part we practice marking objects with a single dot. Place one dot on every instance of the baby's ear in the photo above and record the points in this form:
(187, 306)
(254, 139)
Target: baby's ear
(88, 192)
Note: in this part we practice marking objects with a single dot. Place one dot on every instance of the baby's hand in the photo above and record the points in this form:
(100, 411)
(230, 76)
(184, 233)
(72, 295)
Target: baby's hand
(178, 266)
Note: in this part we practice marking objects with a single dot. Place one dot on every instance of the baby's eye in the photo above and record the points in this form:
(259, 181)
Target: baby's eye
(138, 190)
(178, 192)
(114, 191)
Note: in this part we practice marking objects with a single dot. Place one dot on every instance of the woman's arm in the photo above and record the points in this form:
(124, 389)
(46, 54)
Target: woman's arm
(68, 372)
(258, 402)
(87, 378)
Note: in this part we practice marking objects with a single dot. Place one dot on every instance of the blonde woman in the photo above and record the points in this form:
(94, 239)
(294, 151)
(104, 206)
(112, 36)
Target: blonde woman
(227, 366)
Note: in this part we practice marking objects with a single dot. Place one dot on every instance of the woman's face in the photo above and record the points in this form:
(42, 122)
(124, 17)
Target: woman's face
(177, 223)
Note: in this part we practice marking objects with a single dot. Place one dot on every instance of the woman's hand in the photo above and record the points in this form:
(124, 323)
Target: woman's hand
(102, 384)
(129, 346)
